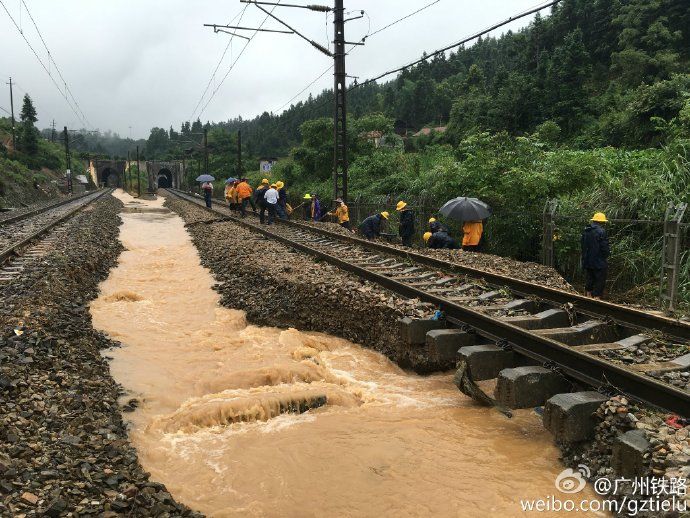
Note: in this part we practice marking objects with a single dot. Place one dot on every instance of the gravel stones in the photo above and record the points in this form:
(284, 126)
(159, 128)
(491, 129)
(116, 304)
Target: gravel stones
(278, 286)
(522, 270)
(63, 443)
(668, 455)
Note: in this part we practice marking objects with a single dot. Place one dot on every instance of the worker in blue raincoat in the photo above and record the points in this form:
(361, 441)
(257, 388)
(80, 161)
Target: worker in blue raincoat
(371, 227)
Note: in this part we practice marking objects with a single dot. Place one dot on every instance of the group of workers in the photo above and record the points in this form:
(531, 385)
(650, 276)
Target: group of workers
(272, 198)
(437, 236)
(267, 197)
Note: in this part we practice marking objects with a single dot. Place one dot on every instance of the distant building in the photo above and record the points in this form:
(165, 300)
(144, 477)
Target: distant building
(372, 136)
(427, 131)
(266, 164)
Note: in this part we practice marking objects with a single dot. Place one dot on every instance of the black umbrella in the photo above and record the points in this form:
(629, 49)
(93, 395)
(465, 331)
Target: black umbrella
(465, 209)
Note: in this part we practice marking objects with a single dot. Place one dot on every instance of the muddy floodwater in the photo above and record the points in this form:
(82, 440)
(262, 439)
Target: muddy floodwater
(239, 420)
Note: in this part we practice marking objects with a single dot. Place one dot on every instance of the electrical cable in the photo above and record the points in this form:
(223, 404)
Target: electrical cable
(220, 61)
(401, 19)
(457, 44)
(353, 47)
(213, 94)
(50, 57)
(42, 64)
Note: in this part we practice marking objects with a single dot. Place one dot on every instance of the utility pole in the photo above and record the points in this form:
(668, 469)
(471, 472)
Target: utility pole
(14, 134)
(340, 163)
(205, 151)
(68, 162)
(339, 119)
(52, 133)
(138, 176)
(128, 171)
(239, 152)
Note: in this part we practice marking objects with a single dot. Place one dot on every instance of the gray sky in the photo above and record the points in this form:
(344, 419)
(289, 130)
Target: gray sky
(146, 63)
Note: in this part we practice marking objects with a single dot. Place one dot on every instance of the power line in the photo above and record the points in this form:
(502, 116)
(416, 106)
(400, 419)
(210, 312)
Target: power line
(305, 88)
(368, 35)
(459, 43)
(220, 61)
(3, 109)
(50, 57)
(213, 94)
(42, 64)
(401, 19)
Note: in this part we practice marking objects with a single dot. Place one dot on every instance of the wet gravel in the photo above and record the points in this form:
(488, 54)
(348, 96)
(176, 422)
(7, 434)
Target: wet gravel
(278, 286)
(64, 449)
(525, 271)
(668, 454)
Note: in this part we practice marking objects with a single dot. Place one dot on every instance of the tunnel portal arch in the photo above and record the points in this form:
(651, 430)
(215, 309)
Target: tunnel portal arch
(110, 177)
(164, 178)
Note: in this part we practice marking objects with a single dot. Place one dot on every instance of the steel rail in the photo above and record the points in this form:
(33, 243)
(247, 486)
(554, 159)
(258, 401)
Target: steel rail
(40, 210)
(630, 317)
(12, 249)
(583, 367)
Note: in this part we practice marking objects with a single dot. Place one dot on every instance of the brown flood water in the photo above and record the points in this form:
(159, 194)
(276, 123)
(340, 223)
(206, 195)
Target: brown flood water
(213, 426)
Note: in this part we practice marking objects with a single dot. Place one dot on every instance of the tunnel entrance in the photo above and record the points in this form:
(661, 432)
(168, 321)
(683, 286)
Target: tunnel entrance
(165, 179)
(110, 177)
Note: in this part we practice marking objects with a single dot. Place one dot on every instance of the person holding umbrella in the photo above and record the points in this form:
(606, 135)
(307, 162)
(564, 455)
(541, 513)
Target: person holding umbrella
(471, 212)
(472, 235)
(406, 225)
(207, 187)
(228, 192)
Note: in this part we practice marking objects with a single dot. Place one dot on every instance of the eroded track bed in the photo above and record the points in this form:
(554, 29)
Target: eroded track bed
(593, 343)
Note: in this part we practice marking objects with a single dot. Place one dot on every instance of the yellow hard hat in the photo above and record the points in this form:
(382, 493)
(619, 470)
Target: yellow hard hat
(265, 181)
(600, 217)
(385, 214)
(401, 205)
(307, 196)
(427, 235)
(273, 186)
(280, 184)
(432, 220)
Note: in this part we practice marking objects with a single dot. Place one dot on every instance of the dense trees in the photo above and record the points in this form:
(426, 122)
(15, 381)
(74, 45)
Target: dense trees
(582, 67)
(28, 134)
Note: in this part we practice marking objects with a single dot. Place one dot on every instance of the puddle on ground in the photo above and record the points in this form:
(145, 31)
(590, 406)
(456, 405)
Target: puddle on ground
(239, 420)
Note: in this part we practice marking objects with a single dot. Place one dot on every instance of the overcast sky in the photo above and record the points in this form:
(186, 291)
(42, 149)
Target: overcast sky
(146, 63)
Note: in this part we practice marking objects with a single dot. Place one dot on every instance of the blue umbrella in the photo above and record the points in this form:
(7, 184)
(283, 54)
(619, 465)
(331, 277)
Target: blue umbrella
(205, 178)
(230, 180)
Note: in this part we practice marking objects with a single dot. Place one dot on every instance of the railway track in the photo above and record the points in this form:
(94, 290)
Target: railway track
(576, 336)
(22, 237)
(28, 212)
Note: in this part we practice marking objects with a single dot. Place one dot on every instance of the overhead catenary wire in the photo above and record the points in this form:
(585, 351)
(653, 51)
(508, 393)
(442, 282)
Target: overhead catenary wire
(213, 94)
(50, 57)
(220, 61)
(353, 47)
(63, 94)
(395, 22)
(458, 43)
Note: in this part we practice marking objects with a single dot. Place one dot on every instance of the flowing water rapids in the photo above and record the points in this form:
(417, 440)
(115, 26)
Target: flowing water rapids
(239, 420)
